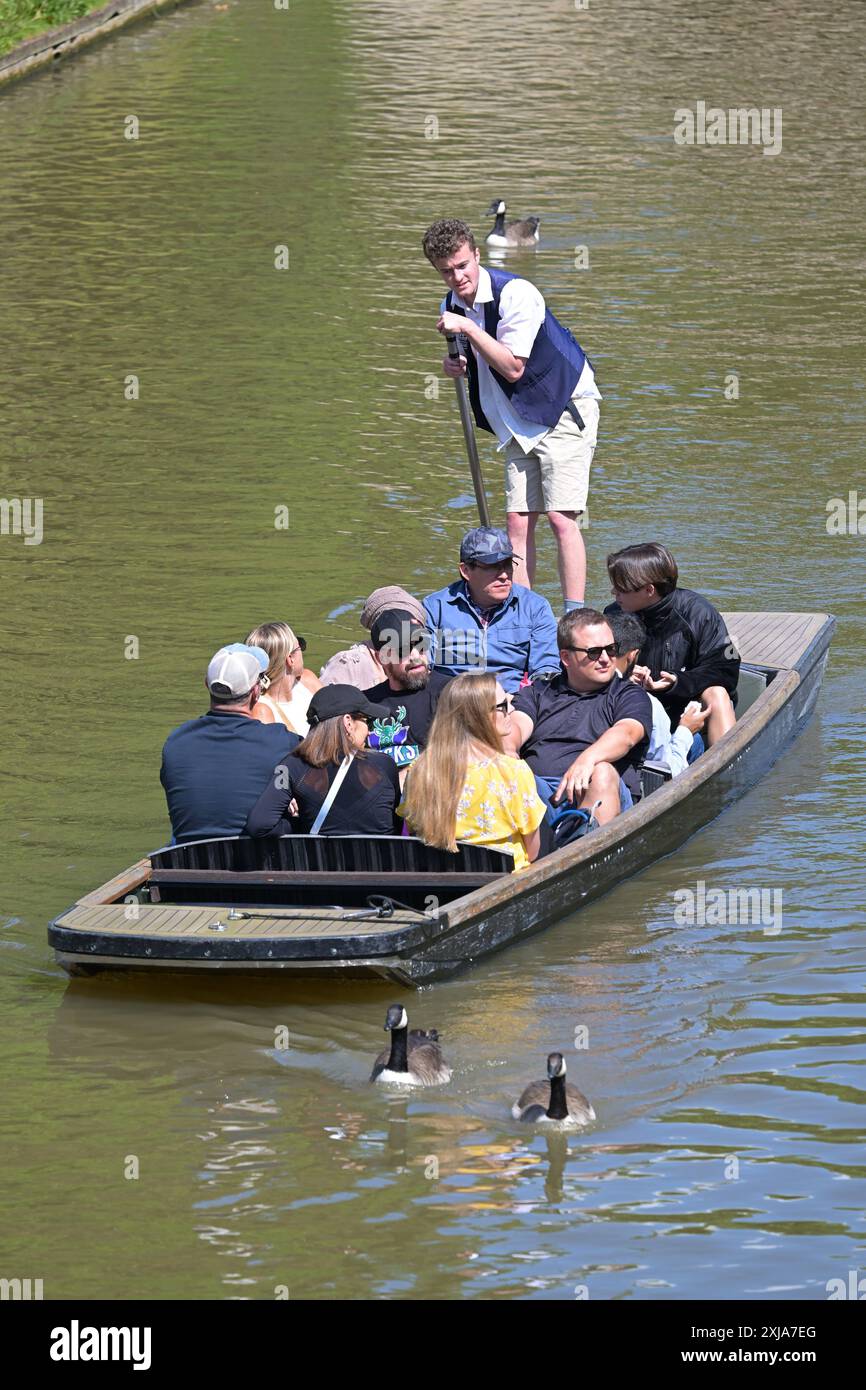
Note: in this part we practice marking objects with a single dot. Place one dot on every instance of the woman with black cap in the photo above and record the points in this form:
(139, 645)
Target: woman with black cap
(332, 784)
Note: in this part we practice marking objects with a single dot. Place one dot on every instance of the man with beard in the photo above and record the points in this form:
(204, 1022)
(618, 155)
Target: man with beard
(410, 689)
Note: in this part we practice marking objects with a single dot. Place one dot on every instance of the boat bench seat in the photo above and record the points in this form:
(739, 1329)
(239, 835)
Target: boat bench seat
(752, 683)
(292, 864)
(653, 776)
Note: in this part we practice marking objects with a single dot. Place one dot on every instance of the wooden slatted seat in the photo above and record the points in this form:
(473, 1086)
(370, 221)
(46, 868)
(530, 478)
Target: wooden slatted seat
(293, 867)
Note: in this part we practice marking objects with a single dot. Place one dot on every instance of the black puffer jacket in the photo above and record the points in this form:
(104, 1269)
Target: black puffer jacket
(687, 636)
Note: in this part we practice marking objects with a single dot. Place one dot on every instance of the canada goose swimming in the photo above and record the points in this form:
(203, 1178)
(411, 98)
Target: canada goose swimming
(551, 1102)
(413, 1059)
(523, 233)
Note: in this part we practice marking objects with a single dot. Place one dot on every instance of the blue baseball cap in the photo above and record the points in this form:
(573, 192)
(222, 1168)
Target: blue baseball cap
(485, 545)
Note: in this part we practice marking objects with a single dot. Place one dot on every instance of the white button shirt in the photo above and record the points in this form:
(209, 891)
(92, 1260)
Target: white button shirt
(521, 314)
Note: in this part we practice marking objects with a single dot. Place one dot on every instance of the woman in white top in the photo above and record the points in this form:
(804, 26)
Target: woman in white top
(285, 696)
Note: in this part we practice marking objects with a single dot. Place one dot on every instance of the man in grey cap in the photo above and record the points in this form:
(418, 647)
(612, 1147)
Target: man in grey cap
(486, 622)
(215, 768)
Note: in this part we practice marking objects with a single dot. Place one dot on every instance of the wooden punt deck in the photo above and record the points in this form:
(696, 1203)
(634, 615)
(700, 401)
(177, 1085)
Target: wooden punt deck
(158, 921)
(102, 930)
(773, 639)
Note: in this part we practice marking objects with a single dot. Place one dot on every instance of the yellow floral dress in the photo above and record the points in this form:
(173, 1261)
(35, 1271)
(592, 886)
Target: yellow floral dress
(499, 805)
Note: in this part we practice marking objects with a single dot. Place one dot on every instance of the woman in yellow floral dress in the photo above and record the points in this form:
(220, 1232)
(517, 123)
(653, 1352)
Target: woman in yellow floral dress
(464, 786)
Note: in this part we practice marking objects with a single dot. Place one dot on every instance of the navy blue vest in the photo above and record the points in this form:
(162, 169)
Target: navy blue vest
(552, 369)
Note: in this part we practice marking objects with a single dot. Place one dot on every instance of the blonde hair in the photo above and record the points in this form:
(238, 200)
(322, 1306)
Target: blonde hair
(278, 640)
(464, 716)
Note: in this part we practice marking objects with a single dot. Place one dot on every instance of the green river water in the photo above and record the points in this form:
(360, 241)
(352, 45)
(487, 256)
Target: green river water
(725, 1064)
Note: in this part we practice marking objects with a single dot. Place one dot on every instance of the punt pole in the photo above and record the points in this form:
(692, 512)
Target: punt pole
(469, 436)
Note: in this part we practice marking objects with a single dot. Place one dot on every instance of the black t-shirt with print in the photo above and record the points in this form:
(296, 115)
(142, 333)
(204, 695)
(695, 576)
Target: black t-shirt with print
(405, 734)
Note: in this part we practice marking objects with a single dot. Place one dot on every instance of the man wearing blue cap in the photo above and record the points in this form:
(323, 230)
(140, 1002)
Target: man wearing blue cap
(215, 768)
(486, 622)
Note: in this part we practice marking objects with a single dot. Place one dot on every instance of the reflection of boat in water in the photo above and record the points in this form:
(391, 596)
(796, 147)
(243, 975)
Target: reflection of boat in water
(392, 908)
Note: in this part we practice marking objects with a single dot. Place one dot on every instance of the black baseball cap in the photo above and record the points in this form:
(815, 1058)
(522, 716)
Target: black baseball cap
(399, 629)
(333, 700)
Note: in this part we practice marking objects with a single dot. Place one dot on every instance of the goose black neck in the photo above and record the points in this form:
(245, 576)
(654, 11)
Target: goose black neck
(398, 1060)
(558, 1107)
(499, 224)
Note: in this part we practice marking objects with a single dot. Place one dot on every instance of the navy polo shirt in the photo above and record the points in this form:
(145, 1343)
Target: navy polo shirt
(214, 769)
(568, 721)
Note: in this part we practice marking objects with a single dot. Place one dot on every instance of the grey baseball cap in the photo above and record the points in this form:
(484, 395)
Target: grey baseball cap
(485, 545)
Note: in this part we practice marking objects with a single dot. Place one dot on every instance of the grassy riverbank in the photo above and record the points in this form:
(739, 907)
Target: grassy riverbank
(22, 19)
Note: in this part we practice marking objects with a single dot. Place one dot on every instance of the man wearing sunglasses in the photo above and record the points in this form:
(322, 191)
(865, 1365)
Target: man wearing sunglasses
(410, 690)
(585, 733)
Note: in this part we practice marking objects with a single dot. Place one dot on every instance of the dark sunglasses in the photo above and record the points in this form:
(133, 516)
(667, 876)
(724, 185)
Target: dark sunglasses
(403, 653)
(503, 707)
(506, 565)
(595, 652)
(367, 718)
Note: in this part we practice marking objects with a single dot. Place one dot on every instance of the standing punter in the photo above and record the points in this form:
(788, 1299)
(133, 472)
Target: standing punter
(530, 384)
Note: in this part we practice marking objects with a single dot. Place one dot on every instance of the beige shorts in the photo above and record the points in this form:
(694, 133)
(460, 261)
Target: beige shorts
(554, 477)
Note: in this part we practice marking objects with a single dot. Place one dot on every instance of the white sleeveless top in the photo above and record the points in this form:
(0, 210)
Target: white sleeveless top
(293, 712)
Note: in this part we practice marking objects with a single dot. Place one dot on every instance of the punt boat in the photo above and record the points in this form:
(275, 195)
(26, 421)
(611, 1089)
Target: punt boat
(392, 908)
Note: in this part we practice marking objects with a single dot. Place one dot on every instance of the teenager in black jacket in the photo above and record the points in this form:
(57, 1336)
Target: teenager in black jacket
(689, 653)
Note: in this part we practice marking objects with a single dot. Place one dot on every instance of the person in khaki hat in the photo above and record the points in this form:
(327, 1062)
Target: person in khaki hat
(359, 664)
(214, 768)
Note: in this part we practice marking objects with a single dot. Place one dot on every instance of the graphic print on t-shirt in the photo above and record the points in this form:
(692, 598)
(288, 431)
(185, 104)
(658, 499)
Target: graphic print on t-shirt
(390, 736)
